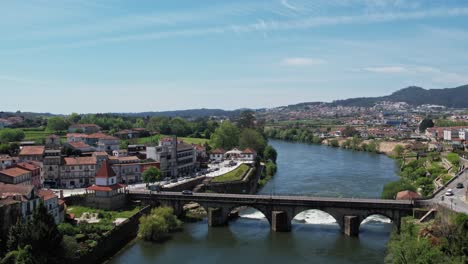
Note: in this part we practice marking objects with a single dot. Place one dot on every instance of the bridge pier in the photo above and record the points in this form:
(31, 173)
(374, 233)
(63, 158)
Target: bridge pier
(216, 217)
(351, 225)
(280, 221)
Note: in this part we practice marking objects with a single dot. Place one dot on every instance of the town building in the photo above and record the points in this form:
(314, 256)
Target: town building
(53, 142)
(6, 161)
(217, 154)
(32, 153)
(36, 172)
(106, 193)
(176, 158)
(54, 206)
(77, 172)
(100, 141)
(84, 128)
(132, 133)
(51, 167)
(248, 154)
(16, 176)
(81, 147)
(25, 195)
(127, 169)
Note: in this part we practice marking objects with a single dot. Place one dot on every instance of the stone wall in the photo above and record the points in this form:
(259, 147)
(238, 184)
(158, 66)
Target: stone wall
(118, 237)
(188, 185)
(248, 185)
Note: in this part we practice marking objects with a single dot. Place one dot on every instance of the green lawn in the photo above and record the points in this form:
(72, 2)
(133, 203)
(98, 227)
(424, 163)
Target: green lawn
(111, 215)
(38, 135)
(154, 139)
(235, 175)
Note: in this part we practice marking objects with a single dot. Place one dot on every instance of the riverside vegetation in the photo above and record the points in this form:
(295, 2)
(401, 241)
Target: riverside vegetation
(157, 225)
(435, 242)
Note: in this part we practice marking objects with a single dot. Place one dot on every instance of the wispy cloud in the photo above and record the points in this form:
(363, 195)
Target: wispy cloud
(386, 69)
(301, 61)
(286, 4)
(436, 75)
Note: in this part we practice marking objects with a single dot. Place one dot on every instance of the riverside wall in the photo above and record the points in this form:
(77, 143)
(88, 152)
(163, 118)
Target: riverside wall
(117, 239)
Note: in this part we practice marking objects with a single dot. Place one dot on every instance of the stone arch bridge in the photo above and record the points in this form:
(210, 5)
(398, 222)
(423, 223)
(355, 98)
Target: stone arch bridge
(280, 210)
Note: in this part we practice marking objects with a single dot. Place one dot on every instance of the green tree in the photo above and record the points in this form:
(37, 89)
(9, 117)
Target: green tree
(19, 256)
(74, 118)
(425, 124)
(140, 123)
(41, 234)
(398, 150)
(349, 132)
(158, 224)
(246, 119)
(151, 175)
(250, 138)
(57, 124)
(392, 188)
(225, 136)
(270, 153)
(334, 143)
(9, 135)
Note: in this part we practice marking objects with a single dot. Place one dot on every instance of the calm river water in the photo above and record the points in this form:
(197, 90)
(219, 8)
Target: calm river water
(315, 237)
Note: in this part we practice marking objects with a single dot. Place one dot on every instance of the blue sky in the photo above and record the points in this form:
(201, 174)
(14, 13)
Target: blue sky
(129, 56)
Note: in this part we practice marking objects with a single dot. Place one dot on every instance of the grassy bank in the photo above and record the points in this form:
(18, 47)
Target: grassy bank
(234, 175)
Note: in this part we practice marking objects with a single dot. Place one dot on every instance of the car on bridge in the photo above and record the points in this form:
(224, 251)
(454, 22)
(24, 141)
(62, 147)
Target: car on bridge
(187, 192)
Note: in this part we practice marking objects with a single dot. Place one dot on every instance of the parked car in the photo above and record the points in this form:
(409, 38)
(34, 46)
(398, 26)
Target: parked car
(174, 180)
(460, 185)
(187, 192)
(449, 192)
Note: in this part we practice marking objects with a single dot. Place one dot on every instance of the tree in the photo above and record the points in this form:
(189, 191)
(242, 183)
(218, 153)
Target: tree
(392, 188)
(398, 150)
(140, 123)
(158, 224)
(270, 153)
(225, 136)
(425, 124)
(57, 124)
(151, 175)
(246, 119)
(41, 234)
(250, 138)
(8, 135)
(74, 118)
(19, 256)
(349, 132)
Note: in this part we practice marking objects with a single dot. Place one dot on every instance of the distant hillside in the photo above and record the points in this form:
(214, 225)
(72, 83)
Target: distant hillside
(449, 97)
(191, 113)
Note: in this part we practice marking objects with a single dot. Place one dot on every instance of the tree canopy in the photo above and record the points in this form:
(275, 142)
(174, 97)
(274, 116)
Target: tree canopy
(152, 174)
(225, 136)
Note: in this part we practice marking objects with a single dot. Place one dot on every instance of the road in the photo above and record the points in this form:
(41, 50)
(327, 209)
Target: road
(457, 202)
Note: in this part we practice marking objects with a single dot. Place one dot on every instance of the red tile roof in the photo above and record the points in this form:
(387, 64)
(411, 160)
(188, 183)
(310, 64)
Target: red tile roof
(249, 151)
(47, 194)
(105, 188)
(407, 195)
(14, 172)
(218, 151)
(79, 145)
(32, 150)
(105, 171)
(27, 166)
(80, 161)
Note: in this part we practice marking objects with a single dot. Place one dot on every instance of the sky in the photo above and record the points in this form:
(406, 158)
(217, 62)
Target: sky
(89, 56)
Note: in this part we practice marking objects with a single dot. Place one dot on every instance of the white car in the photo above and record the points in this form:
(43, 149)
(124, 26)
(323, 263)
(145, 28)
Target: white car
(449, 192)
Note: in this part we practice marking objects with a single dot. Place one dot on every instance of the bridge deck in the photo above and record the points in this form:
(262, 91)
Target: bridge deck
(271, 199)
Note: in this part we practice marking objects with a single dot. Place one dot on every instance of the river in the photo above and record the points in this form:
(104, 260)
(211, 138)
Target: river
(315, 238)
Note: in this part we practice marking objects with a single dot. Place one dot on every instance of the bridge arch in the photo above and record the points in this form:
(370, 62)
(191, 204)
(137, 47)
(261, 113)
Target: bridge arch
(315, 216)
(256, 208)
(376, 217)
